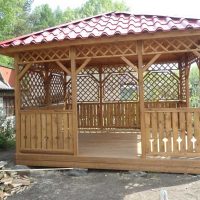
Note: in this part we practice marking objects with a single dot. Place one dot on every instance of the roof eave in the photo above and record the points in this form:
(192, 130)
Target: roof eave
(11, 51)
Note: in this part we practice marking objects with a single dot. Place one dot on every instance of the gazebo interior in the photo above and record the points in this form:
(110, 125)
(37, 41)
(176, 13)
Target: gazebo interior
(108, 109)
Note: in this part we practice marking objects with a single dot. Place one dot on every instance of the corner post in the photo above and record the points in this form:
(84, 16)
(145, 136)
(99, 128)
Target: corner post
(187, 72)
(17, 103)
(141, 97)
(74, 99)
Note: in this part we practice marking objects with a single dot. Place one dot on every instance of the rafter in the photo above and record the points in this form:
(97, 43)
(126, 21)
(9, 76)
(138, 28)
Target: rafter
(83, 65)
(63, 67)
(26, 68)
(128, 62)
(151, 62)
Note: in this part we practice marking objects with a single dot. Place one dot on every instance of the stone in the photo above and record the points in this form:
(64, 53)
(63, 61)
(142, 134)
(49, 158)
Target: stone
(7, 180)
(11, 173)
(23, 167)
(8, 188)
(19, 182)
(163, 195)
(1, 194)
(11, 182)
(3, 164)
(1, 176)
(77, 172)
(138, 173)
(23, 170)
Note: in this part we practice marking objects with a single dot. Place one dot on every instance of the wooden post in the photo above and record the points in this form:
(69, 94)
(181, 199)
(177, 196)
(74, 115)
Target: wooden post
(65, 90)
(17, 105)
(180, 84)
(141, 97)
(100, 98)
(187, 68)
(74, 99)
(47, 81)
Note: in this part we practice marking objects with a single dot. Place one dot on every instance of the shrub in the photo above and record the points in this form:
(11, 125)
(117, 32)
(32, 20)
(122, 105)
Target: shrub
(7, 136)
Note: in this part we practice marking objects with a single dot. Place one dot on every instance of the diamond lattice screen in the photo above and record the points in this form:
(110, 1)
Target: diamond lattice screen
(43, 85)
(120, 87)
(87, 88)
(161, 86)
(32, 89)
(57, 88)
(120, 84)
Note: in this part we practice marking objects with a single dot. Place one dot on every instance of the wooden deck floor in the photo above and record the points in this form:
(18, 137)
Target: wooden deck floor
(113, 145)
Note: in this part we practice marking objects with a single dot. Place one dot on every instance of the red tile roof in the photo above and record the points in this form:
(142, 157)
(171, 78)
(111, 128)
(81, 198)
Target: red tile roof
(108, 24)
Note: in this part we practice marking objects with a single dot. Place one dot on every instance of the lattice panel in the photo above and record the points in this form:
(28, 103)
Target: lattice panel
(43, 85)
(161, 86)
(87, 89)
(120, 87)
(90, 70)
(163, 67)
(118, 69)
(57, 88)
(44, 55)
(32, 88)
(125, 48)
(170, 45)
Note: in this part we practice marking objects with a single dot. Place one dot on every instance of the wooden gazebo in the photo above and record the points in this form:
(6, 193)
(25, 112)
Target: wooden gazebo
(110, 91)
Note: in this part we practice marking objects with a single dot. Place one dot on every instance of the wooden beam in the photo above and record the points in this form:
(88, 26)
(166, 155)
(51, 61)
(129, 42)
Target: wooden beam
(196, 53)
(26, 68)
(151, 62)
(129, 63)
(17, 105)
(63, 67)
(141, 98)
(74, 99)
(83, 65)
(187, 68)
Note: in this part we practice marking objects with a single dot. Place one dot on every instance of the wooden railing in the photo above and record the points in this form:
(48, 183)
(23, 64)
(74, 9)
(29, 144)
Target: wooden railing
(116, 114)
(46, 131)
(165, 104)
(172, 131)
(109, 115)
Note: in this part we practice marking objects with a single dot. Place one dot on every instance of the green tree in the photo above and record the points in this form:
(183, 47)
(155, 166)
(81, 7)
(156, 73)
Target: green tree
(94, 7)
(194, 81)
(41, 17)
(13, 21)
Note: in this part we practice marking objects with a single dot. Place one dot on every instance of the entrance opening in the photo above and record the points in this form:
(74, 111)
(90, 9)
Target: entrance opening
(108, 111)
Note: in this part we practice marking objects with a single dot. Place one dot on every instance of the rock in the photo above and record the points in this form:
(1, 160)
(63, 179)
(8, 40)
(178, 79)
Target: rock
(1, 176)
(23, 170)
(20, 182)
(3, 164)
(7, 180)
(77, 172)
(1, 194)
(16, 167)
(8, 188)
(138, 173)
(163, 195)
(11, 173)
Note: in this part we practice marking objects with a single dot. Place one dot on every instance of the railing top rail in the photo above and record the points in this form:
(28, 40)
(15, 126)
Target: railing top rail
(172, 110)
(45, 111)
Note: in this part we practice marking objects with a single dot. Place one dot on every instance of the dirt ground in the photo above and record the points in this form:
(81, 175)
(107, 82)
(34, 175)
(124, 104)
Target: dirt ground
(78, 184)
